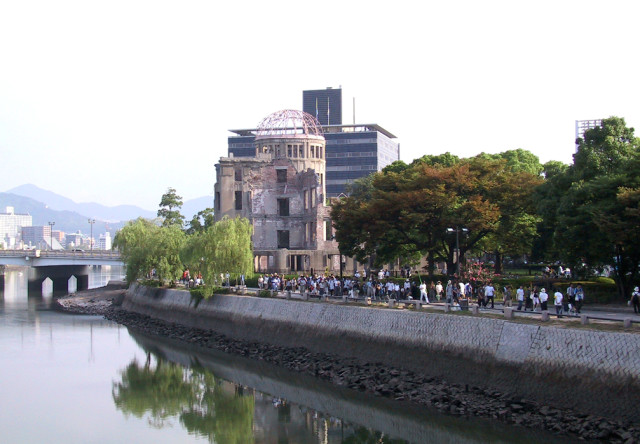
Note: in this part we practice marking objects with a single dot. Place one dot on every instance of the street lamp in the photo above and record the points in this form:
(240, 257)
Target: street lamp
(51, 224)
(91, 222)
(457, 230)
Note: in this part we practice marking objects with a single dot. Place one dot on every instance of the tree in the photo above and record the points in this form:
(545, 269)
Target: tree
(224, 247)
(597, 217)
(144, 247)
(170, 206)
(406, 213)
(201, 221)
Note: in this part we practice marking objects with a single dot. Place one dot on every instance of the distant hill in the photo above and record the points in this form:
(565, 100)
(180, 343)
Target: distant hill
(39, 198)
(67, 221)
(191, 207)
(91, 209)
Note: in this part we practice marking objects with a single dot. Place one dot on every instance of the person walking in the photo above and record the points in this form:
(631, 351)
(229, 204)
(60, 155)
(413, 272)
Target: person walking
(544, 297)
(520, 297)
(423, 293)
(635, 300)
(507, 296)
(579, 295)
(489, 293)
(557, 301)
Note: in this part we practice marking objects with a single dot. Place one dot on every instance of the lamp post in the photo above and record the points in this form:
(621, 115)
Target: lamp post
(457, 230)
(51, 224)
(91, 222)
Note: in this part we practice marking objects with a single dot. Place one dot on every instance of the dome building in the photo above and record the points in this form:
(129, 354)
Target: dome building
(282, 192)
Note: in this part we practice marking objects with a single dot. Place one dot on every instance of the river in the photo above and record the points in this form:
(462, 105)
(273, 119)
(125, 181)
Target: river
(82, 379)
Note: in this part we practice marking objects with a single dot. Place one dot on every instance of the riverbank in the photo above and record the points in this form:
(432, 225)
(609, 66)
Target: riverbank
(391, 381)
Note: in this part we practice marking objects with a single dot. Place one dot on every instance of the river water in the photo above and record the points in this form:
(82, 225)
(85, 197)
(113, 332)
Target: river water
(81, 379)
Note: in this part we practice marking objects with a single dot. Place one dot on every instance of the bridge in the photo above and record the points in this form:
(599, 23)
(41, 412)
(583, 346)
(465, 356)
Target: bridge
(57, 265)
(49, 258)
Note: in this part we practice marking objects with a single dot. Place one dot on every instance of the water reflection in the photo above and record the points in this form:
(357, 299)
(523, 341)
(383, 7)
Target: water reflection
(222, 411)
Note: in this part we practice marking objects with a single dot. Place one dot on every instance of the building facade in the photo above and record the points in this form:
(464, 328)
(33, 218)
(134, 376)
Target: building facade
(279, 185)
(11, 225)
(324, 104)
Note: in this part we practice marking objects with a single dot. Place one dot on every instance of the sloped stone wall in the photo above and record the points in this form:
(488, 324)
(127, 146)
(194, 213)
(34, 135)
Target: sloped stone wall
(591, 371)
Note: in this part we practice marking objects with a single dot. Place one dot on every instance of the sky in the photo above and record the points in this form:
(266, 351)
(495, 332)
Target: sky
(115, 102)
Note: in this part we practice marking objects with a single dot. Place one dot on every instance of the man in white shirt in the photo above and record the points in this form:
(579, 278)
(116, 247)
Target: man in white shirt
(489, 293)
(557, 301)
(423, 292)
(520, 297)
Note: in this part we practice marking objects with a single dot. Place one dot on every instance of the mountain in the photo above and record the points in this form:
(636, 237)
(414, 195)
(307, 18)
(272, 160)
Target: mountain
(67, 221)
(53, 201)
(91, 209)
(191, 207)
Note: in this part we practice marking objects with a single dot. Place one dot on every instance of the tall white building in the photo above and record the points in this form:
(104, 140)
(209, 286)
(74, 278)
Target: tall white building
(584, 125)
(11, 227)
(104, 241)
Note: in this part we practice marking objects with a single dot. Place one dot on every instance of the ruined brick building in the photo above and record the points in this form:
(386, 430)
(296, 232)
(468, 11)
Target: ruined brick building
(282, 192)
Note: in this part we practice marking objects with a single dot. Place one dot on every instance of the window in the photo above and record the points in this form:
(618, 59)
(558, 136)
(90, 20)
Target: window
(283, 207)
(328, 230)
(217, 207)
(238, 174)
(306, 201)
(282, 175)
(238, 200)
(289, 151)
(283, 239)
(313, 199)
(301, 150)
(312, 151)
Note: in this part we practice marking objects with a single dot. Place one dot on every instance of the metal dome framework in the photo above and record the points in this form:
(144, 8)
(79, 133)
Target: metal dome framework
(289, 123)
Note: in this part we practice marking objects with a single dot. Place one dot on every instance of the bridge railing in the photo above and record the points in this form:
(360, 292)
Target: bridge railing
(98, 254)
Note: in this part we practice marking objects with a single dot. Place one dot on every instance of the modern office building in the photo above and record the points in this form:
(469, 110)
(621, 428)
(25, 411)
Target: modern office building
(324, 104)
(352, 151)
(280, 188)
(38, 236)
(11, 227)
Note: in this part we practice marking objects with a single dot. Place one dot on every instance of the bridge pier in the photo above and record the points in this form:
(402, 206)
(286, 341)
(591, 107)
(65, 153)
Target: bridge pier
(59, 275)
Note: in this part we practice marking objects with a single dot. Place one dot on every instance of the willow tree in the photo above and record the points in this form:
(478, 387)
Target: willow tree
(144, 246)
(224, 247)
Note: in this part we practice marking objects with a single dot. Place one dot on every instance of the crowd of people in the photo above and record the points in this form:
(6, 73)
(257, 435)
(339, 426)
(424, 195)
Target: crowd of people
(536, 299)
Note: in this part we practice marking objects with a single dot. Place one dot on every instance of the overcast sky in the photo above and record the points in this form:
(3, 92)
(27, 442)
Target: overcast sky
(116, 101)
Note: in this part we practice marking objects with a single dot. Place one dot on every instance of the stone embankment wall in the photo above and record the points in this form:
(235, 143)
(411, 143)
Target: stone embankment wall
(590, 371)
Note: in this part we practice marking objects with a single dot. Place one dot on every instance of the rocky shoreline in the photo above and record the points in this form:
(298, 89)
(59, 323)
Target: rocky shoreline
(372, 378)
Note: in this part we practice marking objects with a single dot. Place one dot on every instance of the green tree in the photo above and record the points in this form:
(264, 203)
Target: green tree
(144, 246)
(201, 221)
(596, 219)
(407, 213)
(170, 205)
(224, 247)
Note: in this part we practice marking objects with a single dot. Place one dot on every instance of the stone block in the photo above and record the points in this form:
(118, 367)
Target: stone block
(344, 299)
(584, 319)
(508, 313)
(544, 316)
(475, 309)
(418, 305)
(288, 294)
(392, 303)
(627, 323)
(447, 307)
